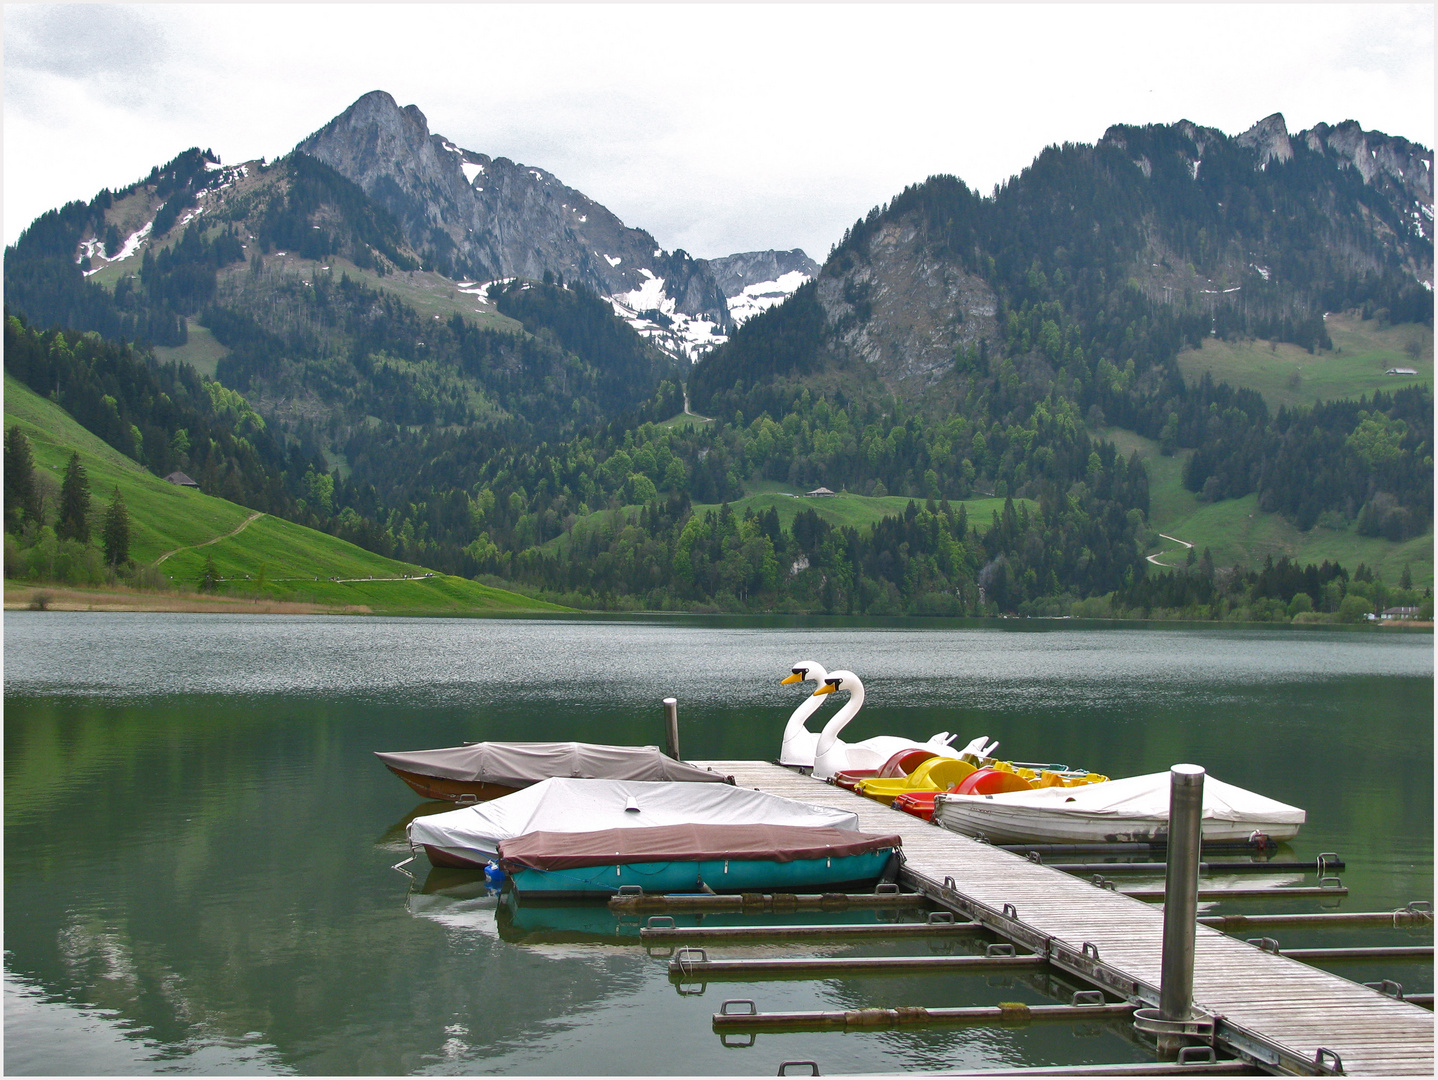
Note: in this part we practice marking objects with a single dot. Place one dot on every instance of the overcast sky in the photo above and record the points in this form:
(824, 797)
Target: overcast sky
(718, 128)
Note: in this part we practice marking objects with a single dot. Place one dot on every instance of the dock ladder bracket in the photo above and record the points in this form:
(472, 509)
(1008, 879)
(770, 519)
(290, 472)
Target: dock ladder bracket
(724, 1011)
(1266, 944)
(655, 922)
(1388, 988)
(1331, 881)
(1328, 1062)
(784, 1067)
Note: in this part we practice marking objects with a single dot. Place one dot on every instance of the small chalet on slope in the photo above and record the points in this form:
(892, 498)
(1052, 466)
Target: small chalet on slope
(818, 493)
(181, 480)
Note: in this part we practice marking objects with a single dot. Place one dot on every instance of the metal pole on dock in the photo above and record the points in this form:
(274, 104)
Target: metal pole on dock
(671, 726)
(1180, 906)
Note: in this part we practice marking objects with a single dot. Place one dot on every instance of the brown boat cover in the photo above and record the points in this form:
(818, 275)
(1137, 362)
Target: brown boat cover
(686, 843)
(519, 764)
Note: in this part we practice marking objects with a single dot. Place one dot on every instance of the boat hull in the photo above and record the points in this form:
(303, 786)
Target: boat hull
(449, 790)
(1002, 825)
(1129, 810)
(719, 875)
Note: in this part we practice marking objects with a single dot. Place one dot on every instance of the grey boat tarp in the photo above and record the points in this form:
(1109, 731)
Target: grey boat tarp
(519, 764)
(561, 805)
(687, 843)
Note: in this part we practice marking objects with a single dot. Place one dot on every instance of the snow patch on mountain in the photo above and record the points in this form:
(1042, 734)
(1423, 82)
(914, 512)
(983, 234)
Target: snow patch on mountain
(763, 295)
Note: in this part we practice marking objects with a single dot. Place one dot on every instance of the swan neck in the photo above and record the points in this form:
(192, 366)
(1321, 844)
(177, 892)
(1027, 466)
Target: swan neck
(830, 735)
(807, 708)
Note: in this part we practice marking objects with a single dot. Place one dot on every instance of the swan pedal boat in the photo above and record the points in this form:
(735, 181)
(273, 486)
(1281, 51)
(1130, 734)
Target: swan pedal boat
(480, 771)
(826, 753)
(471, 835)
(1132, 809)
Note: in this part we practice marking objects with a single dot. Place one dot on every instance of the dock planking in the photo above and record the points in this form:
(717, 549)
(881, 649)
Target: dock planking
(1274, 1009)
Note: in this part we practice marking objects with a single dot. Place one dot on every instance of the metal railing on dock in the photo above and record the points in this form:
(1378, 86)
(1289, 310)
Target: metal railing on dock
(1007, 1013)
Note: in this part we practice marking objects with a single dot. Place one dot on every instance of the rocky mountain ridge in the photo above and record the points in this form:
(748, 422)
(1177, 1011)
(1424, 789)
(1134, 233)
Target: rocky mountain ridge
(1199, 230)
(472, 216)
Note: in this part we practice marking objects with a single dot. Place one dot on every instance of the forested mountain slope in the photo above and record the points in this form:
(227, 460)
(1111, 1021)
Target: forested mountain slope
(1082, 278)
(954, 347)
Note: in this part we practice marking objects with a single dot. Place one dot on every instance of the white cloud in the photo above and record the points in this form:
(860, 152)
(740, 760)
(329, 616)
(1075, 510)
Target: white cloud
(718, 128)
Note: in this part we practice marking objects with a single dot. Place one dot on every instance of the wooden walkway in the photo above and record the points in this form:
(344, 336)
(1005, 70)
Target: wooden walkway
(1273, 1010)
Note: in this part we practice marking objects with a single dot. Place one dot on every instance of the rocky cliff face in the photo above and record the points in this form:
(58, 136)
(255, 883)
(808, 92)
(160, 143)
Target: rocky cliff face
(905, 312)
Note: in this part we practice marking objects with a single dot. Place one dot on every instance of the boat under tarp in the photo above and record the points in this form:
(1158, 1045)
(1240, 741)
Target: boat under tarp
(470, 836)
(694, 858)
(479, 771)
(1134, 808)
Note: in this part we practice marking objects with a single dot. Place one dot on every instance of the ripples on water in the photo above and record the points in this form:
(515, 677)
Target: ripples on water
(482, 661)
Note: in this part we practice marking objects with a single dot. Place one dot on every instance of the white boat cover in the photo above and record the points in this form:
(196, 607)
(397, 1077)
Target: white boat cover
(573, 806)
(519, 764)
(1135, 807)
(688, 843)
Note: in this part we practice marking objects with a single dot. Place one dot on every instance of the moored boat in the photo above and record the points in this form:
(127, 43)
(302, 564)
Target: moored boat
(694, 858)
(480, 771)
(470, 836)
(1131, 809)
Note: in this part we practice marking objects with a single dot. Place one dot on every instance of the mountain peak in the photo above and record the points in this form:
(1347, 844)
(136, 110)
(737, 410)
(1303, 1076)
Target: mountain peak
(1270, 138)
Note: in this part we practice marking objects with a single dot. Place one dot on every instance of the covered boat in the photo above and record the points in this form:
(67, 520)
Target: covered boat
(1116, 811)
(694, 858)
(479, 771)
(470, 836)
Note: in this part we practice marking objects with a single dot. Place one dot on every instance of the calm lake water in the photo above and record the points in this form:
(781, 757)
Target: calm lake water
(198, 841)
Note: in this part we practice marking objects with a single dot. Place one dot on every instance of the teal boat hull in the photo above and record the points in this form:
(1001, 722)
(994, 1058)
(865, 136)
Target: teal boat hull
(719, 875)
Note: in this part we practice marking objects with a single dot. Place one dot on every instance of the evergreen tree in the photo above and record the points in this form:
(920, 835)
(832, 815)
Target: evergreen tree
(22, 497)
(74, 523)
(116, 534)
(209, 580)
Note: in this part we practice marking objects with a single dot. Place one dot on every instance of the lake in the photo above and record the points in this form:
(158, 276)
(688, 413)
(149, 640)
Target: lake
(198, 842)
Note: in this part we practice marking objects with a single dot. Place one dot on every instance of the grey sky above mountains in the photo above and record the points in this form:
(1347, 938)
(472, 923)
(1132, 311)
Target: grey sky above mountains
(718, 128)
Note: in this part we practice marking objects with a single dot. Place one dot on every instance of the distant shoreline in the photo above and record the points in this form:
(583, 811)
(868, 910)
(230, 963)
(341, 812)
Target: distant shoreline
(21, 597)
(120, 598)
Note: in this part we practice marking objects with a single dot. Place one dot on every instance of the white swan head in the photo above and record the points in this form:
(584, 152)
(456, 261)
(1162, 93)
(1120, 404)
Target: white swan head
(803, 671)
(797, 748)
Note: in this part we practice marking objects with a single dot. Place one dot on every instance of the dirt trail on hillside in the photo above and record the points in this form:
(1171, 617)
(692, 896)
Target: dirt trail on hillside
(190, 547)
(1154, 557)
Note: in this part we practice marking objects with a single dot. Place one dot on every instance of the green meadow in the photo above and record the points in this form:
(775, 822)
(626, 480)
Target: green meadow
(1238, 533)
(856, 511)
(1288, 375)
(175, 529)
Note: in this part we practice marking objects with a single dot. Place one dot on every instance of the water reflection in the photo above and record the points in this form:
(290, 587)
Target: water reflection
(198, 840)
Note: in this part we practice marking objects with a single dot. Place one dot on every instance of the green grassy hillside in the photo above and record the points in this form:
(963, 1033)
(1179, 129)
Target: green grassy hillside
(1287, 375)
(175, 528)
(1238, 533)
(857, 511)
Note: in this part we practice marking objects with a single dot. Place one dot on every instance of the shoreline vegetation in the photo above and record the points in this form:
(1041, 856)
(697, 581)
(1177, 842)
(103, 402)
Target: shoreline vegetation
(31, 596)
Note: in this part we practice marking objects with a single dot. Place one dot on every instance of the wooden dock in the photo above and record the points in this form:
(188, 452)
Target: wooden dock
(1275, 1011)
